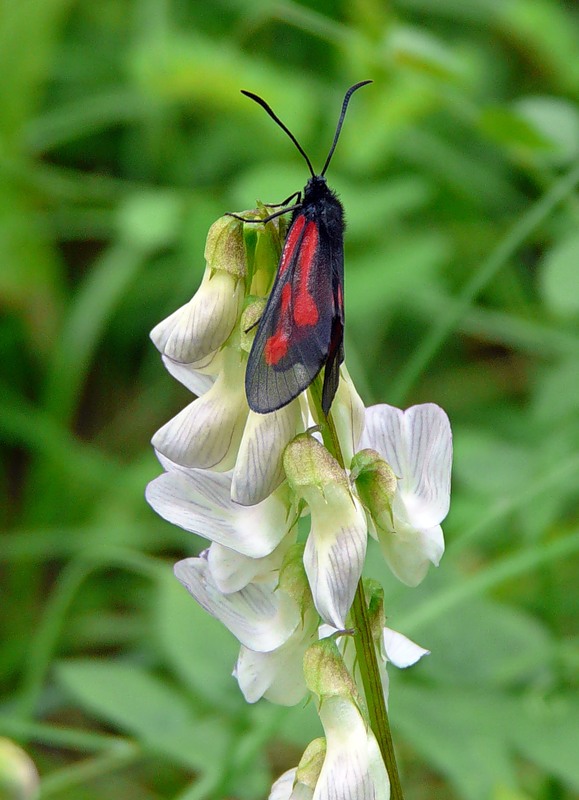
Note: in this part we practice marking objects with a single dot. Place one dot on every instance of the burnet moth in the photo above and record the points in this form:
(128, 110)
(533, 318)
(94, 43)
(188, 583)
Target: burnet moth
(301, 329)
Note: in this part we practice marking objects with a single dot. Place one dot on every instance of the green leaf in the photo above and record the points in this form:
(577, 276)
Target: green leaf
(460, 733)
(558, 120)
(509, 128)
(559, 277)
(199, 649)
(136, 702)
(501, 646)
(547, 735)
(422, 52)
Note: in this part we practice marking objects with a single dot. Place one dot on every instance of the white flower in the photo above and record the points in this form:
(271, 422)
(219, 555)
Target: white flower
(203, 324)
(336, 546)
(232, 571)
(417, 444)
(393, 647)
(261, 616)
(279, 674)
(400, 650)
(299, 783)
(282, 789)
(198, 377)
(259, 463)
(353, 766)
(200, 501)
(206, 434)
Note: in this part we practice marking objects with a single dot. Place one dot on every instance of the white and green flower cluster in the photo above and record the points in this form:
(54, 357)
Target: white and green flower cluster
(244, 481)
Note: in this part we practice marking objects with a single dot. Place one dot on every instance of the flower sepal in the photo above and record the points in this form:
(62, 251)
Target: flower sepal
(376, 484)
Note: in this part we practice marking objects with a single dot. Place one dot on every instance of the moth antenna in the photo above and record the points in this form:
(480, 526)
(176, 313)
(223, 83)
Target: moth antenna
(347, 96)
(278, 121)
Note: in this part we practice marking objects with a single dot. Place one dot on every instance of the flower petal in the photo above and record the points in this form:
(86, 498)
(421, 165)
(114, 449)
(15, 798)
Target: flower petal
(400, 650)
(198, 377)
(232, 571)
(260, 617)
(409, 551)
(353, 766)
(278, 675)
(204, 323)
(348, 413)
(417, 443)
(200, 501)
(282, 788)
(259, 464)
(207, 433)
(335, 552)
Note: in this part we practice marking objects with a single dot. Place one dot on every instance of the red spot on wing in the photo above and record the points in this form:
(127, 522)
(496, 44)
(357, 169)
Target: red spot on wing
(291, 243)
(296, 302)
(305, 310)
(277, 345)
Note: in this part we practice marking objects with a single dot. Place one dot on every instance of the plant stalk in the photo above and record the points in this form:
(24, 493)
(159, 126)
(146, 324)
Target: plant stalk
(363, 640)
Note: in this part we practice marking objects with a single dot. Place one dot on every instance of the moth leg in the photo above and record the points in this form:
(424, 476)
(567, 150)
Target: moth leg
(295, 195)
(266, 219)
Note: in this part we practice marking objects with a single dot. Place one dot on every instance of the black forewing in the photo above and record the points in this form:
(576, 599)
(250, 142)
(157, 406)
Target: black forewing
(269, 387)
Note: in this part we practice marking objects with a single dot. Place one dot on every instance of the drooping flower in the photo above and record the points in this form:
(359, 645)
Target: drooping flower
(299, 783)
(202, 325)
(200, 501)
(260, 616)
(336, 545)
(353, 765)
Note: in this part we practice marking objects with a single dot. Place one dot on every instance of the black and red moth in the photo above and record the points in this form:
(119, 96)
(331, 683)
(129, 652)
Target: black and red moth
(302, 326)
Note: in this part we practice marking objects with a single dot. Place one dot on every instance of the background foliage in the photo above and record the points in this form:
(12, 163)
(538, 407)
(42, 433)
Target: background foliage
(123, 136)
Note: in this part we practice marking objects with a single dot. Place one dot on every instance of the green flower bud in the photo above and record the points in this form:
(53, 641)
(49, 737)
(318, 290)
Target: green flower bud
(249, 319)
(311, 763)
(325, 672)
(224, 248)
(374, 595)
(376, 484)
(308, 465)
(293, 579)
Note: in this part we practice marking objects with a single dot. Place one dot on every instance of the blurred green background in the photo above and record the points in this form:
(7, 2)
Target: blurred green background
(123, 136)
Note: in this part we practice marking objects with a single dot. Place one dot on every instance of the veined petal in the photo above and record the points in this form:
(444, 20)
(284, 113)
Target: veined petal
(417, 443)
(278, 675)
(259, 464)
(409, 551)
(282, 788)
(207, 433)
(335, 551)
(198, 377)
(200, 501)
(353, 766)
(204, 323)
(400, 650)
(232, 571)
(260, 617)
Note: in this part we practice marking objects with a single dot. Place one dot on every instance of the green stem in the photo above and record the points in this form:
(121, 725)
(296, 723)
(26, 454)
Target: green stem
(363, 640)
(373, 690)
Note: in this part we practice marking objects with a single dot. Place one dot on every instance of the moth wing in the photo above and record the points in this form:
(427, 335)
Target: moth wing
(295, 334)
